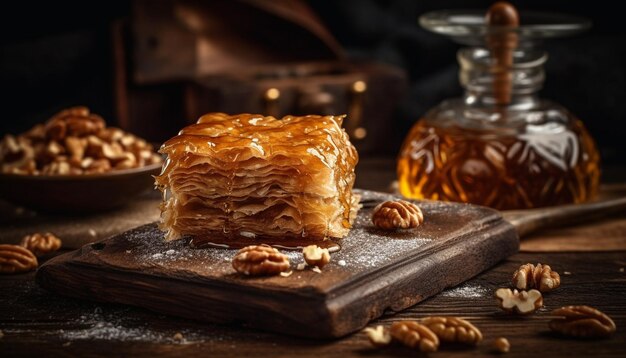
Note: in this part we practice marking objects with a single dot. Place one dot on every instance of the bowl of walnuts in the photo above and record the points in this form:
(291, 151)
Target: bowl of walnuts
(75, 163)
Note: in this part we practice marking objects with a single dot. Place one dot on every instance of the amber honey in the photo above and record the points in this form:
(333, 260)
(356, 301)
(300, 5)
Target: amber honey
(519, 170)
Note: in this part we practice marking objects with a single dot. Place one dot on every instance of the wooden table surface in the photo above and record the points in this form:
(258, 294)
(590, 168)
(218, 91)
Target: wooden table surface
(36, 322)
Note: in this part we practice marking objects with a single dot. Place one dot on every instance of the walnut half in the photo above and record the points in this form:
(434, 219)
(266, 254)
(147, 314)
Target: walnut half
(582, 322)
(453, 329)
(522, 302)
(414, 335)
(540, 277)
(41, 244)
(397, 214)
(16, 259)
(259, 260)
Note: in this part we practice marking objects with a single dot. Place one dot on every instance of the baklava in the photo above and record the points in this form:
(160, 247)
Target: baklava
(258, 178)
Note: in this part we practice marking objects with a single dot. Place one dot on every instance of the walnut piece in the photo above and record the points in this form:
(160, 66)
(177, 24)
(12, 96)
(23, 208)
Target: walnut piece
(582, 322)
(453, 329)
(41, 244)
(414, 335)
(379, 336)
(540, 277)
(502, 345)
(16, 259)
(521, 302)
(398, 214)
(316, 256)
(74, 142)
(259, 260)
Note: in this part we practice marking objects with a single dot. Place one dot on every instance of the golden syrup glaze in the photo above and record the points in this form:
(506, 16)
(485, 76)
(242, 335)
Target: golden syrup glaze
(311, 143)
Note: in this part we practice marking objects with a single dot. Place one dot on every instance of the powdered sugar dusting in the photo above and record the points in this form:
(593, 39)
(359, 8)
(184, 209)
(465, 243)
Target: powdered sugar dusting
(465, 291)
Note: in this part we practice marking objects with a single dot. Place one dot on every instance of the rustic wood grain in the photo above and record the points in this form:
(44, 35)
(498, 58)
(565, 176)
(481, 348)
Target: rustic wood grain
(37, 322)
(383, 270)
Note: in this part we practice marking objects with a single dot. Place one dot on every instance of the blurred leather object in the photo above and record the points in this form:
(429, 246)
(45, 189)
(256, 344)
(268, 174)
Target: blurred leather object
(271, 57)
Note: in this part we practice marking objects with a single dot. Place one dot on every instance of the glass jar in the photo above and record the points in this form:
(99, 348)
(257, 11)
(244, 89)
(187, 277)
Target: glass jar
(526, 153)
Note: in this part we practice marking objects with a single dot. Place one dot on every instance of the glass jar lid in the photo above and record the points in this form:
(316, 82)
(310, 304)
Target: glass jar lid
(469, 27)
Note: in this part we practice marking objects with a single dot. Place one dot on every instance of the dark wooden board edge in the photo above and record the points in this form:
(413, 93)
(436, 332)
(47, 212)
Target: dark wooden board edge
(306, 313)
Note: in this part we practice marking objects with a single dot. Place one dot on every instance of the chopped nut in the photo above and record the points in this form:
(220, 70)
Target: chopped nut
(316, 256)
(257, 260)
(453, 329)
(522, 302)
(414, 335)
(178, 336)
(502, 345)
(16, 259)
(379, 336)
(582, 322)
(540, 277)
(397, 214)
(41, 244)
(286, 274)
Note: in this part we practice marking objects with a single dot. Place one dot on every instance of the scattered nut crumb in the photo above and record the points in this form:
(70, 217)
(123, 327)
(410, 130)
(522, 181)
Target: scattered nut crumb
(66, 344)
(621, 269)
(582, 322)
(286, 274)
(567, 273)
(379, 336)
(301, 266)
(316, 256)
(540, 277)
(341, 262)
(398, 214)
(502, 345)
(92, 232)
(522, 302)
(316, 269)
(178, 336)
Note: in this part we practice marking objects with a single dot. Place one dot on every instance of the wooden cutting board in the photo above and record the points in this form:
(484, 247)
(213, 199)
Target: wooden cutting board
(374, 271)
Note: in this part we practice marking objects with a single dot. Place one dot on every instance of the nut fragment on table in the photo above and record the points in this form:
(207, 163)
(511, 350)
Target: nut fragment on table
(379, 336)
(540, 277)
(398, 214)
(41, 244)
(316, 256)
(414, 335)
(16, 259)
(259, 260)
(73, 142)
(502, 345)
(521, 302)
(453, 329)
(582, 322)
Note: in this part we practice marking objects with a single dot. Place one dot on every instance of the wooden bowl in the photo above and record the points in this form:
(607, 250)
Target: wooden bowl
(77, 193)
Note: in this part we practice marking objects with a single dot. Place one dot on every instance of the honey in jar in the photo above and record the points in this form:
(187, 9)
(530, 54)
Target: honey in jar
(500, 145)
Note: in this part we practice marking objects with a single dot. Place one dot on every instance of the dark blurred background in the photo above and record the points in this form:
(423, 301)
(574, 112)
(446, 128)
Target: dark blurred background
(58, 54)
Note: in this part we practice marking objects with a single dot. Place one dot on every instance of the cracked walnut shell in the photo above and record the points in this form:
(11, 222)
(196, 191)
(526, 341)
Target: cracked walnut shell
(41, 244)
(414, 335)
(259, 260)
(16, 259)
(316, 256)
(398, 214)
(582, 322)
(521, 302)
(540, 277)
(453, 329)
